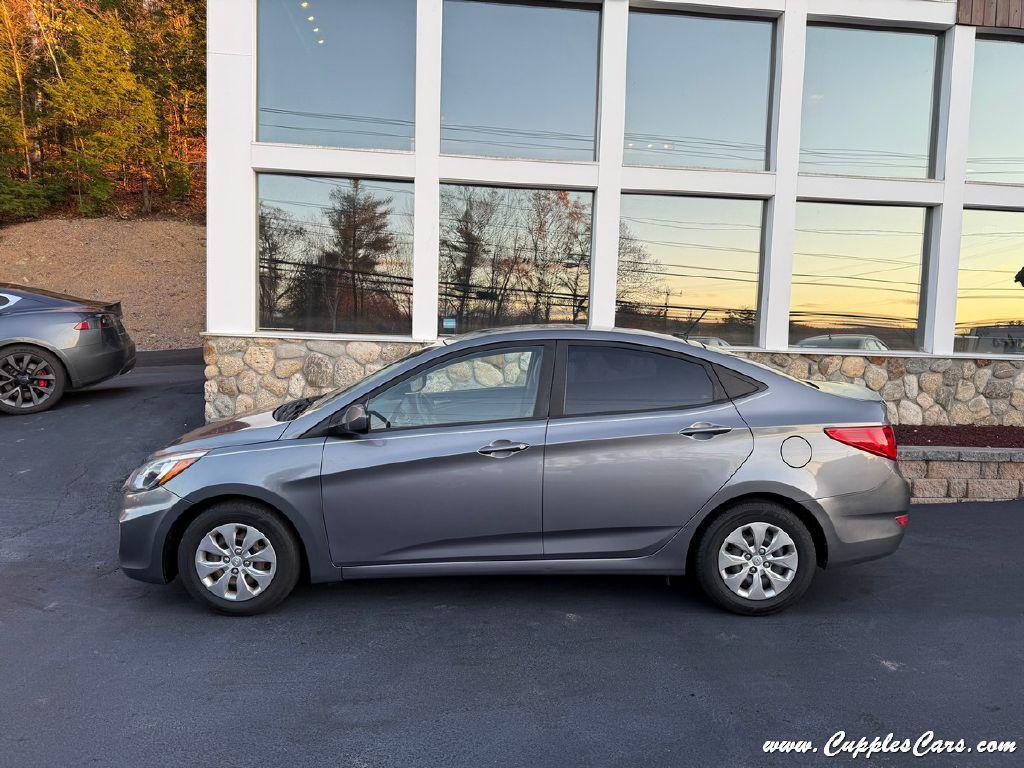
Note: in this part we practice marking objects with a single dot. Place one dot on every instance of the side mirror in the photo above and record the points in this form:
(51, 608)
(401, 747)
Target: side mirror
(354, 421)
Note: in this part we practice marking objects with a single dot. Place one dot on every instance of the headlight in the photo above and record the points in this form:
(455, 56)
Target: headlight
(159, 471)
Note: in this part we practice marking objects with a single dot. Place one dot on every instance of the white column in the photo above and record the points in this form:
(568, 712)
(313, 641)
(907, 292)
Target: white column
(954, 113)
(780, 213)
(611, 127)
(230, 184)
(426, 209)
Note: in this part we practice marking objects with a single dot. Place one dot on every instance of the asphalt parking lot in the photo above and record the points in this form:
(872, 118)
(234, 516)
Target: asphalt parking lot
(96, 669)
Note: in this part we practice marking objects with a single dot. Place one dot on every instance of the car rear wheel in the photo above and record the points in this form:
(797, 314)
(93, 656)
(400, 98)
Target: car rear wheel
(238, 558)
(31, 380)
(756, 558)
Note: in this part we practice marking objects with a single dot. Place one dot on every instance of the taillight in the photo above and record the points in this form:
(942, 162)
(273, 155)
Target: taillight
(99, 321)
(903, 520)
(879, 440)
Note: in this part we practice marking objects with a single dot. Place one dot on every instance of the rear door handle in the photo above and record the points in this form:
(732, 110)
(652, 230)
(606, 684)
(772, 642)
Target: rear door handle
(703, 430)
(501, 449)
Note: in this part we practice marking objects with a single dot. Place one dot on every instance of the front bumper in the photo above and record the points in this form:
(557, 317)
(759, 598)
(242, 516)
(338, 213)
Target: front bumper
(145, 522)
(862, 526)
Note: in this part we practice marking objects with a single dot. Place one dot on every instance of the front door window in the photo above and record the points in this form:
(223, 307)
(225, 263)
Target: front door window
(492, 385)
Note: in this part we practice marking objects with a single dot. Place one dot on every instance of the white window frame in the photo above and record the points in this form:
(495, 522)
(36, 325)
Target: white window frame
(235, 157)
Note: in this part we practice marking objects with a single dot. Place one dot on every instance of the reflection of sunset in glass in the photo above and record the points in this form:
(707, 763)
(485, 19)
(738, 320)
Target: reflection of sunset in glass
(988, 297)
(689, 266)
(857, 273)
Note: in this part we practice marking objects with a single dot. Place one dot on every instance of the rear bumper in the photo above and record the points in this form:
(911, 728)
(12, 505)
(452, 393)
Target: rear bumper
(98, 362)
(145, 521)
(862, 526)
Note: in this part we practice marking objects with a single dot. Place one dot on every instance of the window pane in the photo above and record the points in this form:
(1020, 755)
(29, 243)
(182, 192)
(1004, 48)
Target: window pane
(519, 80)
(486, 386)
(867, 107)
(337, 74)
(697, 91)
(996, 146)
(856, 276)
(612, 380)
(513, 256)
(335, 255)
(990, 286)
(689, 266)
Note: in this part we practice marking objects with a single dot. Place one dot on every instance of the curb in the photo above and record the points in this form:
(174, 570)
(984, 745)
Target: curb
(162, 357)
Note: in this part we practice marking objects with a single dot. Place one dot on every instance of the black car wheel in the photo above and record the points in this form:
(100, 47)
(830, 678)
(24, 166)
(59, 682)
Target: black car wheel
(756, 558)
(238, 558)
(31, 380)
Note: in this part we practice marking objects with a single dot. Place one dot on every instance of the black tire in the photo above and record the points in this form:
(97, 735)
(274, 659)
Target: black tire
(711, 580)
(286, 550)
(53, 367)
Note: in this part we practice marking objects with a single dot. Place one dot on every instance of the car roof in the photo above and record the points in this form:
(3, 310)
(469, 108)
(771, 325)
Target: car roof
(567, 331)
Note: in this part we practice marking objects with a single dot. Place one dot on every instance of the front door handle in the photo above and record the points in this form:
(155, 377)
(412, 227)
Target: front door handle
(703, 430)
(501, 449)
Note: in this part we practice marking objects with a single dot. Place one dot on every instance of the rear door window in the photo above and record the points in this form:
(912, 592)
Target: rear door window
(606, 379)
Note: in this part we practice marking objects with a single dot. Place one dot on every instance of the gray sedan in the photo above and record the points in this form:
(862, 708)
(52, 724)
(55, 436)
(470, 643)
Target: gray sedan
(50, 343)
(532, 450)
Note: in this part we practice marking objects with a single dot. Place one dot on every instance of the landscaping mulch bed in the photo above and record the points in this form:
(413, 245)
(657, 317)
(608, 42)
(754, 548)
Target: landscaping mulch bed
(961, 437)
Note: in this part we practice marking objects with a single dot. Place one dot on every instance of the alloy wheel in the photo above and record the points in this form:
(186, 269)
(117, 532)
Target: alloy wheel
(235, 562)
(758, 561)
(26, 380)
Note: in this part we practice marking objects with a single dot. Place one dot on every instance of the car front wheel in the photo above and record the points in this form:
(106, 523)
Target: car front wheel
(756, 558)
(238, 558)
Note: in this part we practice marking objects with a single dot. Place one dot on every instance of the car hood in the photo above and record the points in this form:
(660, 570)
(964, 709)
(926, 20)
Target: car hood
(252, 428)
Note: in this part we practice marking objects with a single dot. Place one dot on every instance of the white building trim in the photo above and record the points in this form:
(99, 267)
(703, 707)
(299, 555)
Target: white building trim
(784, 153)
(230, 186)
(427, 169)
(611, 129)
(235, 157)
(946, 223)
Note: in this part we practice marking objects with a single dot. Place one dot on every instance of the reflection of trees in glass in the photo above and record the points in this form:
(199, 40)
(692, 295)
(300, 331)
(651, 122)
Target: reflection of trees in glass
(511, 256)
(343, 270)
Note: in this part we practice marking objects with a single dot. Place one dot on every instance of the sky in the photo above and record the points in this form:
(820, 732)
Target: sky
(697, 91)
(519, 81)
(707, 249)
(856, 267)
(867, 102)
(996, 147)
(355, 89)
(991, 254)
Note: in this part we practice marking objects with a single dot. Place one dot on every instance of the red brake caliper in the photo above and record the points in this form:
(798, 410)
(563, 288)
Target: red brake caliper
(41, 382)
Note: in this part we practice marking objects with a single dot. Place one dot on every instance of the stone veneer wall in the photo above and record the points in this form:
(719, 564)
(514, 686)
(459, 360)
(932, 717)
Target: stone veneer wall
(939, 475)
(921, 390)
(253, 374)
(245, 374)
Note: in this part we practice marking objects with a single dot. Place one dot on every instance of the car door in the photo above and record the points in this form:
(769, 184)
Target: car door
(452, 466)
(639, 439)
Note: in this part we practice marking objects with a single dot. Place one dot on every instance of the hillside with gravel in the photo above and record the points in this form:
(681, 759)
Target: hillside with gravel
(155, 267)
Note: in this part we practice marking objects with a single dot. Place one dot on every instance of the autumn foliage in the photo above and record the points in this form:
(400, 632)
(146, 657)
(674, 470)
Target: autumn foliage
(102, 106)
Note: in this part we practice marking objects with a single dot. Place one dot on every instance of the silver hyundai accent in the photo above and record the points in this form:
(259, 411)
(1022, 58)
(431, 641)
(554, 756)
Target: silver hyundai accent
(532, 450)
